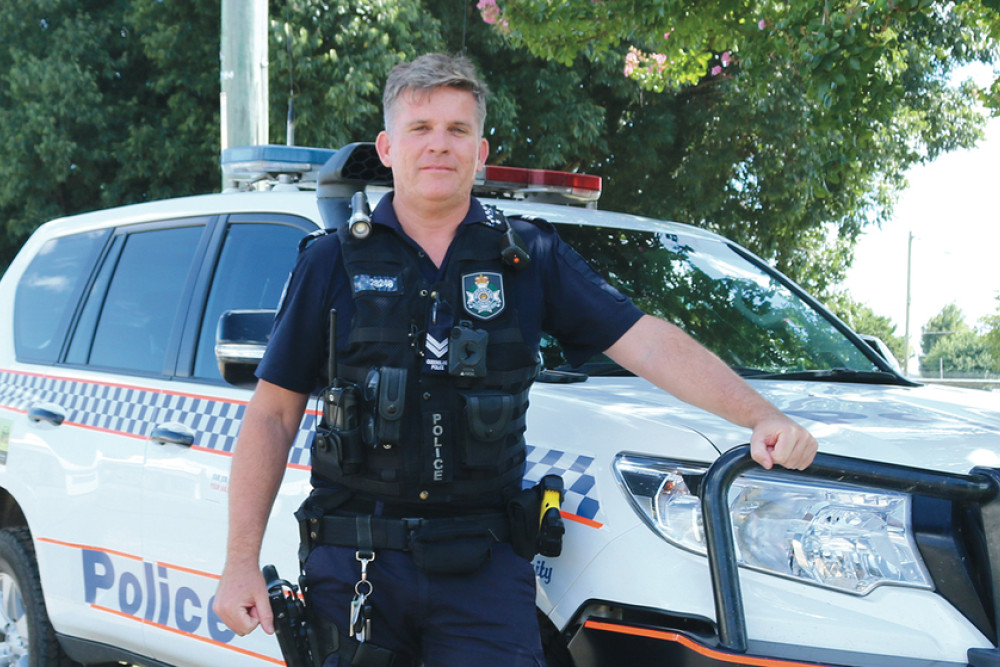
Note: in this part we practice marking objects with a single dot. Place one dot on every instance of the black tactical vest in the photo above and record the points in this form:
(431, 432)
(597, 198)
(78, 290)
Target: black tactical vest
(442, 369)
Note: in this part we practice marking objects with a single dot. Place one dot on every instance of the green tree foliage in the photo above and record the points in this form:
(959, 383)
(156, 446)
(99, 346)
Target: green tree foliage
(106, 102)
(788, 126)
(962, 354)
(334, 57)
(864, 320)
(942, 326)
(990, 326)
(103, 103)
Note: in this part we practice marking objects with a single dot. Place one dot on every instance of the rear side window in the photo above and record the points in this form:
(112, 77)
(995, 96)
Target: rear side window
(48, 293)
(133, 309)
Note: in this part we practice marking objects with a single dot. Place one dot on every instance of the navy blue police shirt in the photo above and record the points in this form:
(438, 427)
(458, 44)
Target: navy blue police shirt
(557, 293)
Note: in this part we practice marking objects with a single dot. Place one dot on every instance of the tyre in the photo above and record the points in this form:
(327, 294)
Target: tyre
(26, 636)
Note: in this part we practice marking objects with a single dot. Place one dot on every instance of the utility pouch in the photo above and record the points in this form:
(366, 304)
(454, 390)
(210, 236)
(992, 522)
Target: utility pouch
(338, 448)
(522, 512)
(488, 417)
(337, 453)
(536, 526)
(451, 547)
(389, 394)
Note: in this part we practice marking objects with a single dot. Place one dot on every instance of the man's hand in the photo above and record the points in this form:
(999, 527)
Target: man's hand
(777, 439)
(241, 600)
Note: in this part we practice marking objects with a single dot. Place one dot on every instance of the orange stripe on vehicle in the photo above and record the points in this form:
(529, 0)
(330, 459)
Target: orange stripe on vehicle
(100, 429)
(688, 643)
(188, 570)
(590, 523)
(252, 654)
(113, 552)
(88, 547)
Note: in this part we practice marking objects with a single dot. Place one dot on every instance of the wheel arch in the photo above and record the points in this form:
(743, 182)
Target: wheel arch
(11, 515)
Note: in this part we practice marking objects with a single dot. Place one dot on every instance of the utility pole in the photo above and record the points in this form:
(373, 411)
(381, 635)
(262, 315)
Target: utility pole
(243, 73)
(906, 335)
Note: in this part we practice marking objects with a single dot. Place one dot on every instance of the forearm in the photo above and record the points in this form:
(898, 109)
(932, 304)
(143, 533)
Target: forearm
(257, 471)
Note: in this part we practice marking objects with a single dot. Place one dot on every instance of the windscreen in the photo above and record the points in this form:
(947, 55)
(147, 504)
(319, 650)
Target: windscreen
(744, 314)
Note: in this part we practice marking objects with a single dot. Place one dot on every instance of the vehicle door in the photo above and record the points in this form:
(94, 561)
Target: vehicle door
(94, 407)
(186, 477)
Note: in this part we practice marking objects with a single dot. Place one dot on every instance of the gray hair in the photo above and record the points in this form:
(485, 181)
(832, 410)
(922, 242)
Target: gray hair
(430, 71)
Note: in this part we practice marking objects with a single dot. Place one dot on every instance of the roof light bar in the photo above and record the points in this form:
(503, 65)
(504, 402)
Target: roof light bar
(540, 183)
(256, 167)
(275, 167)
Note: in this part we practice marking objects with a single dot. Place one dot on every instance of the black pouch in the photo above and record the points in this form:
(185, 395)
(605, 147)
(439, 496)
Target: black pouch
(522, 512)
(337, 453)
(451, 547)
(488, 416)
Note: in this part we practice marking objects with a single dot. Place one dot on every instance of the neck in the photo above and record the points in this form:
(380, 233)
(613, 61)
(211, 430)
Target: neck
(432, 227)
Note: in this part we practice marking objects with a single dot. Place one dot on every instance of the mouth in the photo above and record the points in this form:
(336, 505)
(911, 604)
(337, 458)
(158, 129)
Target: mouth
(436, 168)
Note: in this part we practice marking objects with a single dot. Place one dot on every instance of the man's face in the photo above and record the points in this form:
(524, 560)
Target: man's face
(433, 147)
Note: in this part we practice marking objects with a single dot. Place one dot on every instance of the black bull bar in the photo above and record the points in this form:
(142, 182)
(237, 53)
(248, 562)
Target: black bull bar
(981, 486)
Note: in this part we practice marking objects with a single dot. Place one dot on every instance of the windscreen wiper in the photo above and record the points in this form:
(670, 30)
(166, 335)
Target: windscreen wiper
(567, 374)
(831, 375)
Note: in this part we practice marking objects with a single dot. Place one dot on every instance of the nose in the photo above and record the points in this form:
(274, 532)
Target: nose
(440, 141)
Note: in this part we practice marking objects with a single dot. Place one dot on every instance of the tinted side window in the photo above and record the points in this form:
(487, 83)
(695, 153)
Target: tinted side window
(253, 267)
(48, 293)
(135, 311)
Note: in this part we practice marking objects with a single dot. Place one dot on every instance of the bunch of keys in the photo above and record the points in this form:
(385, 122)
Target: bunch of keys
(361, 612)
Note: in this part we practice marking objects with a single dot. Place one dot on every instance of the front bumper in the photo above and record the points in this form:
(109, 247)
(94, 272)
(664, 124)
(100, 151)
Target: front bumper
(602, 642)
(644, 636)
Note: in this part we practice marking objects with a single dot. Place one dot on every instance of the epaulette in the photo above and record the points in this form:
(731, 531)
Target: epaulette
(494, 217)
(541, 223)
(312, 236)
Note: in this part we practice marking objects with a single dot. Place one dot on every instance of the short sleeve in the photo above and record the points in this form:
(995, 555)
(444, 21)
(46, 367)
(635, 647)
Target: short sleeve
(583, 311)
(297, 348)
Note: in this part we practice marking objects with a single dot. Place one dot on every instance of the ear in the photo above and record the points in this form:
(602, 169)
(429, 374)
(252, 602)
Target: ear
(382, 145)
(484, 152)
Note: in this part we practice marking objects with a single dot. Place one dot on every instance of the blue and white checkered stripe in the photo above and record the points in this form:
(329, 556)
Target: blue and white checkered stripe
(577, 473)
(133, 411)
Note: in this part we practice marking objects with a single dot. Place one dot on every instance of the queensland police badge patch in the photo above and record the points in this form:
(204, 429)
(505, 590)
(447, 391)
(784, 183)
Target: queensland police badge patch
(483, 294)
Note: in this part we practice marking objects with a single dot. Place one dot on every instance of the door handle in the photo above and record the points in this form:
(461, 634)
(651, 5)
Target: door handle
(47, 412)
(173, 433)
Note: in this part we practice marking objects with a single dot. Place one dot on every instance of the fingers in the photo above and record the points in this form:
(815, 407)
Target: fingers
(243, 605)
(784, 442)
(265, 616)
(760, 450)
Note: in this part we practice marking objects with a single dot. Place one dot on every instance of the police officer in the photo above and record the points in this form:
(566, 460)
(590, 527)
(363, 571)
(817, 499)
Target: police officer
(438, 331)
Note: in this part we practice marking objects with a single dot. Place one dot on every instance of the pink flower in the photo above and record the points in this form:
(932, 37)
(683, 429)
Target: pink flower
(666, 35)
(726, 58)
(631, 61)
(762, 24)
(489, 10)
(717, 70)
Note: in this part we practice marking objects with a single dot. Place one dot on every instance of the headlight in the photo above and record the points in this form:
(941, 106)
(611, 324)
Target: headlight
(843, 537)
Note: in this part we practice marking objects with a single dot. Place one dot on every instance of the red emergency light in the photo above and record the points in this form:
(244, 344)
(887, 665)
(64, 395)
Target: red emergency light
(538, 183)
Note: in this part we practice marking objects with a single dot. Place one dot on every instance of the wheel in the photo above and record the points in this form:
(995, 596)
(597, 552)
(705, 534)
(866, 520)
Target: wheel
(26, 636)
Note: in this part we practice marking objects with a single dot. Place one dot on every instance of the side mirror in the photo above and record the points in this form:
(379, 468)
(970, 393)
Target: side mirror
(877, 344)
(240, 340)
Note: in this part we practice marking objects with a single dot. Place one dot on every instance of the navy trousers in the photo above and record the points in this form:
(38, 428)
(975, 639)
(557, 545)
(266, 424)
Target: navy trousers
(483, 618)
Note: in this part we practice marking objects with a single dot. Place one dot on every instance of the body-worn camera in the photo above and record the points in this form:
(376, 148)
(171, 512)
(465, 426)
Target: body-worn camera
(467, 351)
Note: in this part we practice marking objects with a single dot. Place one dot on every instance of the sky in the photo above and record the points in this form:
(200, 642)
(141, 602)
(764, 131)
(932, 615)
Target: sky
(952, 208)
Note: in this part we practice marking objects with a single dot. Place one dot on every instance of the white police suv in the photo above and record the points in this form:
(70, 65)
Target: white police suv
(117, 428)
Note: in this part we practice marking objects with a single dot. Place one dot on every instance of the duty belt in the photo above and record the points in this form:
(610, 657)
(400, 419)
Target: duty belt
(375, 532)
